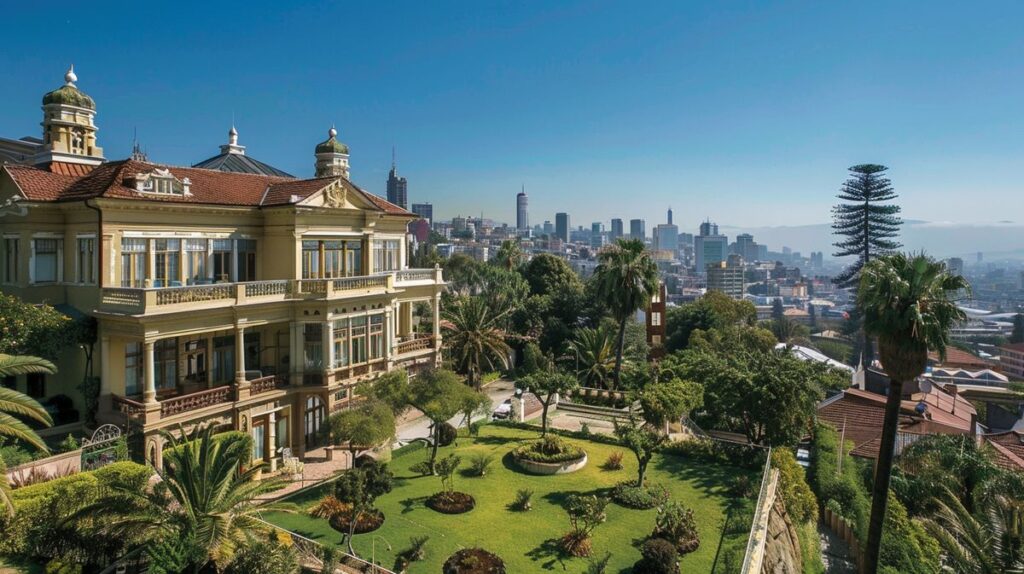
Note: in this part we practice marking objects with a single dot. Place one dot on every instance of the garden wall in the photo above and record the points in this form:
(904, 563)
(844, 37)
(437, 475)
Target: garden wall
(782, 548)
(57, 465)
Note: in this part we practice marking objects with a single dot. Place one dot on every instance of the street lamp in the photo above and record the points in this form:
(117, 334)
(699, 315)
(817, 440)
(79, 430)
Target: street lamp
(373, 550)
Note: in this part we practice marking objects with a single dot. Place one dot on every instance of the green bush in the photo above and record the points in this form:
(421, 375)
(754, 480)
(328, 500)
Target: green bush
(37, 529)
(675, 523)
(659, 557)
(796, 494)
(68, 444)
(844, 490)
(446, 435)
(717, 452)
(630, 495)
(906, 546)
(550, 449)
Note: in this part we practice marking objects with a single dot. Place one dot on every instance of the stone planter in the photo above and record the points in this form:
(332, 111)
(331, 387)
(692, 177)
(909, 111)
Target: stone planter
(548, 468)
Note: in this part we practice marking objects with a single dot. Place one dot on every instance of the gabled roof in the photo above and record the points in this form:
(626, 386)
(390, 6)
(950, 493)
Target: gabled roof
(206, 186)
(240, 163)
(1009, 447)
(958, 358)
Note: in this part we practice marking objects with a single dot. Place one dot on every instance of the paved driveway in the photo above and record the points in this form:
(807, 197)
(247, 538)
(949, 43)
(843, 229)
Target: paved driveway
(415, 425)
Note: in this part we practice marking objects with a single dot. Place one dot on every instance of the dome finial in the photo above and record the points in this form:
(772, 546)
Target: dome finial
(233, 135)
(69, 77)
(332, 132)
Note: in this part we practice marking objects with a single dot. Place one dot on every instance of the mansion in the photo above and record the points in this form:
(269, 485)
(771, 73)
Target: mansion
(229, 292)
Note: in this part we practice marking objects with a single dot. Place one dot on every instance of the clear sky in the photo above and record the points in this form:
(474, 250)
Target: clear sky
(745, 112)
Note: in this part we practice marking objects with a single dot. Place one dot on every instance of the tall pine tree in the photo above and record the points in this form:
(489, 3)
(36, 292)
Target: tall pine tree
(866, 226)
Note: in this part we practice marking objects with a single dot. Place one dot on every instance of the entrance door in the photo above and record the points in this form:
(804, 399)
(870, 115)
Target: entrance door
(315, 415)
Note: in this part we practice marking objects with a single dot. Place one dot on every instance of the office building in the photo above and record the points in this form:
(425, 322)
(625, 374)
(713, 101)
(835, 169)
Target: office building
(549, 228)
(670, 216)
(562, 226)
(424, 211)
(598, 239)
(249, 301)
(745, 247)
(638, 229)
(397, 186)
(616, 232)
(709, 248)
(727, 277)
(666, 237)
(522, 216)
(955, 265)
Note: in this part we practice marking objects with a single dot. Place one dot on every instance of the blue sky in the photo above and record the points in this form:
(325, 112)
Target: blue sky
(745, 112)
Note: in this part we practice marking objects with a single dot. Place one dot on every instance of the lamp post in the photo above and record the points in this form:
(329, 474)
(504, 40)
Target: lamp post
(373, 550)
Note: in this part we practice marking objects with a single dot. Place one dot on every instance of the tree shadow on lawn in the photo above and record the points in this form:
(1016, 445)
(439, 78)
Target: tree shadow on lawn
(710, 478)
(550, 554)
(410, 504)
(559, 497)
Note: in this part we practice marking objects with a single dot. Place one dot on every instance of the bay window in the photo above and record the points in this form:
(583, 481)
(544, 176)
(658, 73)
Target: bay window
(331, 258)
(165, 363)
(195, 261)
(358, 330)
(376, 336)
(246, 259)
(386, 255)
(341, 343)
(166, 262)
(133, 262)
(222, 255)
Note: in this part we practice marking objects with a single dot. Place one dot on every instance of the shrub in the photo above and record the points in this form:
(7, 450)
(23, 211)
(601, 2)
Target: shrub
(843, 492)
(265, 557)
(599, 566)
(585, 428)
(630, 495)
(585, 514)
(675, 523)
(61, 567)
(796, 494)
(522, 500)
(68, 444)
(719, 452)
(741, 486)
(550, 449)
(38, 530)
(659, 557)
(446, 435)
(614, 461)
(479, 463)
(421, 468)
(473, 561)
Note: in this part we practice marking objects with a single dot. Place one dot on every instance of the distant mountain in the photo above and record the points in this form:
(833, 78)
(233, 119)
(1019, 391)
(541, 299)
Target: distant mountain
(997, 240)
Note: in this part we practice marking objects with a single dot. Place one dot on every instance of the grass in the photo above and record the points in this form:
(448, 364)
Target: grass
(810, 547)
(527, 541)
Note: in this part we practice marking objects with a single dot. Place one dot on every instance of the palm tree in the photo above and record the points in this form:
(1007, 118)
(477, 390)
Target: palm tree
(627, 279)
(209, 498)
(15, 406)
(907, 303)
(594, 350)
(474, 337)
(986, 542)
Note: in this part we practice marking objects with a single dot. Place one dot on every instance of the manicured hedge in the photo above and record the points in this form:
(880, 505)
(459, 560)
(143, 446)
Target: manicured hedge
(35, 531)
(846, 489)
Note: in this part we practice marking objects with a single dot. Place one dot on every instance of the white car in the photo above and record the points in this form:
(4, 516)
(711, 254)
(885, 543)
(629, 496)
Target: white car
(503, 411)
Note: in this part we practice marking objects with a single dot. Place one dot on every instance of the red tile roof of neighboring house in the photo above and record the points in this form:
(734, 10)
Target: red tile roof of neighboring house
(1018, 347)
(862, 414)
(958, 357)
(207, 187)
(1009, 448)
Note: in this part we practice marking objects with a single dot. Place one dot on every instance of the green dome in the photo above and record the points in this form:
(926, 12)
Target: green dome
(69, 95)
(332, 145)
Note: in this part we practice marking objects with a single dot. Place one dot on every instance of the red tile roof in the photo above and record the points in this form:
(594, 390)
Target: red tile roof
(1018, 347)
(208, 187)
(72, 169)
(958, 357)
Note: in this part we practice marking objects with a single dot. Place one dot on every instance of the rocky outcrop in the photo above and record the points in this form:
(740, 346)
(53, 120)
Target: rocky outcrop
(782, 547)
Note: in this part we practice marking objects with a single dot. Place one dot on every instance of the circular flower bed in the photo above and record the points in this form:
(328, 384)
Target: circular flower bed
(550, 455)
(368, 522)
(473, 561)
(451, 502)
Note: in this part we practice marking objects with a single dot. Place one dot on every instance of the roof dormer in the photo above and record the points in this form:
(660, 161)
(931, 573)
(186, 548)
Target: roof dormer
(159, 182)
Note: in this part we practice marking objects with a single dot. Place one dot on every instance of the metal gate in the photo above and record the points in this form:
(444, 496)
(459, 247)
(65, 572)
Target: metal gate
(101, 449)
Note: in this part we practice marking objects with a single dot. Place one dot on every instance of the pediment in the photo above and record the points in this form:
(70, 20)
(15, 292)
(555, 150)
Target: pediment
(339, 194)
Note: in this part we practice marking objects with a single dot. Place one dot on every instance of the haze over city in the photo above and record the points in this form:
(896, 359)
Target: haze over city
(748, 115)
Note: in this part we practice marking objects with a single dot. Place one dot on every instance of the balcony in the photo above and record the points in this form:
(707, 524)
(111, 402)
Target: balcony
(418, 343)
(183, 403)
(142, 301)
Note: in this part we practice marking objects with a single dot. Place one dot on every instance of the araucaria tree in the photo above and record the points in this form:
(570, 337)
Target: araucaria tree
(627, 278)
(907, 303)
(866, 224)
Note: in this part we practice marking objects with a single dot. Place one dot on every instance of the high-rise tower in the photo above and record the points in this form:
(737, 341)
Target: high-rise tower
(522, 215)
(397, 186)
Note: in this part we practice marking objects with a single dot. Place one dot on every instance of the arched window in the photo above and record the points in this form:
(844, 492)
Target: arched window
(316, 412)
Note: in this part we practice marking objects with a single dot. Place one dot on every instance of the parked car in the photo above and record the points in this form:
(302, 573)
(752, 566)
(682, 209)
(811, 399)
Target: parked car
(503, 411)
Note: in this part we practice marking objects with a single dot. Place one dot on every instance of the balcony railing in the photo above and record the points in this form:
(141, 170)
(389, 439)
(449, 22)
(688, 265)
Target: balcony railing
(194, 401)
(264, 384)
(128, 407)
(420, 343)
(144, 300)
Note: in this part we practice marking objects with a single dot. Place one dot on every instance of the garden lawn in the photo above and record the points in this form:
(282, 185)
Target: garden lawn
(527, 541)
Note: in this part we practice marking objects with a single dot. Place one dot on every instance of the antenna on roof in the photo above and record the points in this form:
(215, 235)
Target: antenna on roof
(137, 153)
(392, 158)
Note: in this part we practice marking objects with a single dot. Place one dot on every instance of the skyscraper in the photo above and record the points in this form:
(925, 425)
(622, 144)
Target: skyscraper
(597, 236)
(522, 217)
(670, 216)
(709, 247)
(745, 247)
(562, 226)
(666, 237)
(424, 210)
(637, 229)
(397, 186)
(727, 276)
(616, 232)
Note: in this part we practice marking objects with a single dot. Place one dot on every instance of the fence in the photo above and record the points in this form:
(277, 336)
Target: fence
(846, 531)
(311, 552)
(754, 556)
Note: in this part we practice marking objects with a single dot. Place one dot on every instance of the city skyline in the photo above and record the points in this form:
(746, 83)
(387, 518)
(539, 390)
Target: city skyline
(769, 99)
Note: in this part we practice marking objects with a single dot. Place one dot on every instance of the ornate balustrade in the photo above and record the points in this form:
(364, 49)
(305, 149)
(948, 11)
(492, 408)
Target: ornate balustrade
(263, 384)
(143, 300)
(196, 401)
(413, 345)
(128, 407)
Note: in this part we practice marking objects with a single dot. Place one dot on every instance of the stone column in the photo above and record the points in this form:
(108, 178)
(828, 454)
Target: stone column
(209, 360)
(272, 440)
(436, 308)
(327, 340)
(149, 373)
(241, 385)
